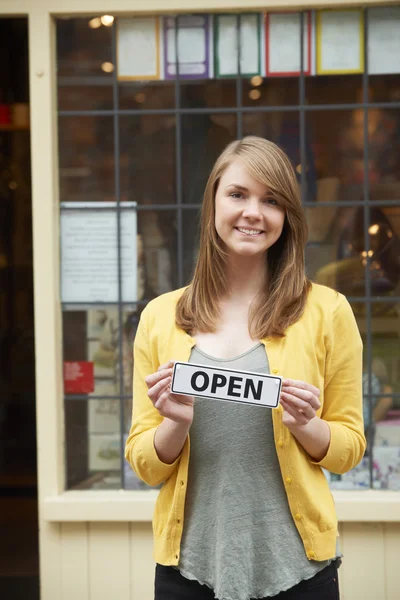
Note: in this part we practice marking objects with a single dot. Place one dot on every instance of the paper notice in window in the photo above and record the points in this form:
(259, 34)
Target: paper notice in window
(340, 42)
(138, 44)
(384, 40)
(230, 45)
(89, 253)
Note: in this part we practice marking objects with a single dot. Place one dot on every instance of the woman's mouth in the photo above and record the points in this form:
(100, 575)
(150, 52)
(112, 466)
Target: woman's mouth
(251, 232)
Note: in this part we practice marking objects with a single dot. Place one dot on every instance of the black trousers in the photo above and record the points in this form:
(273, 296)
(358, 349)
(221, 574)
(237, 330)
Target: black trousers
(171, 585)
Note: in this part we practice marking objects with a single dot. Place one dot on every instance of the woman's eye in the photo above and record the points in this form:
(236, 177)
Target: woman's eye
(271, 201)
(236, 195)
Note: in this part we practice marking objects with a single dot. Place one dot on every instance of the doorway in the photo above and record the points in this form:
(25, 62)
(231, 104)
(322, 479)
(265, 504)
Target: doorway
(19, 552)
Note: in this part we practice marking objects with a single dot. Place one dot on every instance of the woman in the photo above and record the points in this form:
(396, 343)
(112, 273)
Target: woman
(250, 515)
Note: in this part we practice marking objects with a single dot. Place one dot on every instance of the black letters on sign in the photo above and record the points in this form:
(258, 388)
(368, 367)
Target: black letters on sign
(256, 392)
(193, 381)
(217, 381)
(234, 386)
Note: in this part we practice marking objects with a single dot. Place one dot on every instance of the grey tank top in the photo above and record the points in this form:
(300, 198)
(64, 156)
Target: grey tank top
(239, 536)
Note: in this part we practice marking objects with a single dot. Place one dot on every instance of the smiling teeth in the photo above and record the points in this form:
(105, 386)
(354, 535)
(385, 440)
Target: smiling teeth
(249, 231)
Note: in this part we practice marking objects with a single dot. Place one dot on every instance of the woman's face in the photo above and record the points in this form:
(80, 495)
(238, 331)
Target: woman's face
(247, 218)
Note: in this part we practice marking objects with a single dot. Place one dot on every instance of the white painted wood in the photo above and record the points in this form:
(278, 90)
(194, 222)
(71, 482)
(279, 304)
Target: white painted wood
(363, 569)
(49, 405)
(124, 506)
(142, 562)
(109, 561)
(74, 561)
(392, 558)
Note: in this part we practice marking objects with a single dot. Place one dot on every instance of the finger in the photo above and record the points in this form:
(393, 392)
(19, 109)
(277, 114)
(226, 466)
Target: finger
(154, 378)
(167, 365)
(298, 417)
(304, 395)
(156, 390)
(303, 385)
(299, 405)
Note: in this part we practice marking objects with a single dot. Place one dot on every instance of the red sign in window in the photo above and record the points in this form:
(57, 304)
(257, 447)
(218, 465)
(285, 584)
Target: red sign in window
(78, 377)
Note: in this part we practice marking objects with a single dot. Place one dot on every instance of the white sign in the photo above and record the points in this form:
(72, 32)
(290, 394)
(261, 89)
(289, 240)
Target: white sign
(138, 48)
(384, 40)
(245, 387)
(89, 252)
(340, 41)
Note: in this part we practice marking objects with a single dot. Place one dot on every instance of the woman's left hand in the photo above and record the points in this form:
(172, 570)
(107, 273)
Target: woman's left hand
(300, 401)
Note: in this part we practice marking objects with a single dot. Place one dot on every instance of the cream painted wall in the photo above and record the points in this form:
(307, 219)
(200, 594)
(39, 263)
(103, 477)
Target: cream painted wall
(98, 547)
(103, 561)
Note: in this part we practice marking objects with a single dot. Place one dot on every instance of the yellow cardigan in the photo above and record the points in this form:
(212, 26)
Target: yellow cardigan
(323, 348)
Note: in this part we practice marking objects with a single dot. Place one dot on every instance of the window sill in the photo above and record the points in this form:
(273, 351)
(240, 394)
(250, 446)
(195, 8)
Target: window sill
(125, 506)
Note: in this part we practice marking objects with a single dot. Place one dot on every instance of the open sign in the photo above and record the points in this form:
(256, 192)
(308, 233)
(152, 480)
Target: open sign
(245, 387)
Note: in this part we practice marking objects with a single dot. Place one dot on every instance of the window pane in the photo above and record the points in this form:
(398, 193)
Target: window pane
(190, 230)
(384, 244)
(208, 93)
(158, 242)
(203, 139)
(280, 127)
(335, 142)
(83, 46)
(144, 95)
(334, 89)
(93, 457)
(83, 94)
(148, 159)
(86, 158)
(270, 91)
(91, 345)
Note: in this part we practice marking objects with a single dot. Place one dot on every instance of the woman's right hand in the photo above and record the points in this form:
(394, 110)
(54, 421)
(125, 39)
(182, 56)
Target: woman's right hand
(175, 407)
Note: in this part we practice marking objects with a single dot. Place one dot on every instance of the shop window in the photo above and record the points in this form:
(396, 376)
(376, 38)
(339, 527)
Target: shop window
(138, 135)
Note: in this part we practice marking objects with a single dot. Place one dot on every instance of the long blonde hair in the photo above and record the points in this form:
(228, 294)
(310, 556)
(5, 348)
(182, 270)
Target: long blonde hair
(282, 302)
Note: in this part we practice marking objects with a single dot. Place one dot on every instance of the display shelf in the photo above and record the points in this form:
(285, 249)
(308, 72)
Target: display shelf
(4, 127)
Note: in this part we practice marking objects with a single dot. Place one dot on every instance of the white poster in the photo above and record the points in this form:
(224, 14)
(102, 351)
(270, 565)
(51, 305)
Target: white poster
(227, 45)
(384, 40)
(283, 43)
(89, 252)
(340, 41)
(138, 48)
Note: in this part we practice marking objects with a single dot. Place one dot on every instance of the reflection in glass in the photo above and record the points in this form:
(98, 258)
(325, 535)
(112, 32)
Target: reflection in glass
(191, 230)
(93, 446)
(203, 139)
(336, 140)
(83, 49)
(92, 336)
(270, 91)
(85, 96)
(384, 88)
(148, 159)
(146, 95)
(157, 232)
(86, 159)
(334, 89)
(208, 93)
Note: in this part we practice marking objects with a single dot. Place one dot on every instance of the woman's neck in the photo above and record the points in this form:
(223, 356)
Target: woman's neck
(246, 277)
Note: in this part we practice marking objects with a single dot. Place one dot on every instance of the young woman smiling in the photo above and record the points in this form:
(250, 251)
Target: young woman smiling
(250, 515)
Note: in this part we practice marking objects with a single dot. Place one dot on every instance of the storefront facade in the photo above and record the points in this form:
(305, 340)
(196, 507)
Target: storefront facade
(121, 145)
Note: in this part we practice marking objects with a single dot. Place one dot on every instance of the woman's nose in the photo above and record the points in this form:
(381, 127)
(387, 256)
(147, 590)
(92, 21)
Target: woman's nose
(252, 210)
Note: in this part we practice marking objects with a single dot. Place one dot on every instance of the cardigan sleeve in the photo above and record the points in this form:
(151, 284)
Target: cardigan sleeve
(139, 448)
(342, 406)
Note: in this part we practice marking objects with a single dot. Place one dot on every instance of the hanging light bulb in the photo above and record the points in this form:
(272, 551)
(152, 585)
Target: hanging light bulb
(254, 94)
(107, 20)
(107, 67)
(256, 80)
(95, 23)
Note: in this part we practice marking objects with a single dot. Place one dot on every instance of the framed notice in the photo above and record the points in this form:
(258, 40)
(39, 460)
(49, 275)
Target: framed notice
(384, 40)
(229, 43)
(89, 252)
(340, 41)
(282, 43)
(138, 48)
(189, 46)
